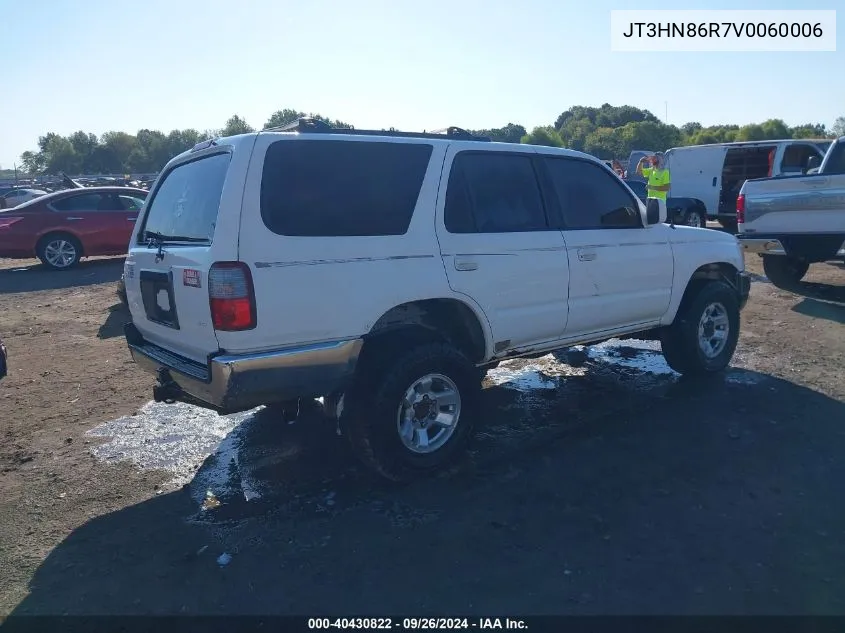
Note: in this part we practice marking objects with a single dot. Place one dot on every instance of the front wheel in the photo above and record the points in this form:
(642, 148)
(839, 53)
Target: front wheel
(704, 335)
(59, 251)
(783, 271)
(415, 416)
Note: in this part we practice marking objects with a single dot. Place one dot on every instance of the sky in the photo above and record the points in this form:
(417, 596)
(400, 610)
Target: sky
(103, 65)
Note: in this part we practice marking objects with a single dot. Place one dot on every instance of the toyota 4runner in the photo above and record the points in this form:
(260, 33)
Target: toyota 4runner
(386, 271)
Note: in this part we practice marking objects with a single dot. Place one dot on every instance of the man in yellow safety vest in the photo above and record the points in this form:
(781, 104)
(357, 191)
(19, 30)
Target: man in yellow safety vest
(657, 176)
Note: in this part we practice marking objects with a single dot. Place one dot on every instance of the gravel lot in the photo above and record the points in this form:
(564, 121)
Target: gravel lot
(610, 488)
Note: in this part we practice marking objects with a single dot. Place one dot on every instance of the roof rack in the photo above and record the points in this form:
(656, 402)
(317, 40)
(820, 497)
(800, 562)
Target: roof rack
(310, 124)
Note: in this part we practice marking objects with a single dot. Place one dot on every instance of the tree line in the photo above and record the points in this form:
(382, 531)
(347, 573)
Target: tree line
(606, 132)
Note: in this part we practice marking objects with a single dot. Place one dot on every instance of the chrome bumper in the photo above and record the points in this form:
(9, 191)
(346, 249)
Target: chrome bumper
(765, 246)
(229, 383)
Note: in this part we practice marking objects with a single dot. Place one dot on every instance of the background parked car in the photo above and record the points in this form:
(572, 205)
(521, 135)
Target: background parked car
(18, 196)
(686, 211)
(62, 227)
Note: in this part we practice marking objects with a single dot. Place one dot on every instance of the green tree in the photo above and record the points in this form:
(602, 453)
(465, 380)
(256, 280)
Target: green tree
(809, 130)
(775, 129)
(32, 162)
(605, 143)
(236, 125)
(543, 136)
(839, 127)
(288, 115)
(691, 128)
(511, 133)
(283, 117)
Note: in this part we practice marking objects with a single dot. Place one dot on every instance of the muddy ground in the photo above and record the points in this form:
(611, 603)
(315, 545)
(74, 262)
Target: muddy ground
(610, 488)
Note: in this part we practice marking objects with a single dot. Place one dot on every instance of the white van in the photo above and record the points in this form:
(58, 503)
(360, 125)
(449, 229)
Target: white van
(715, 173)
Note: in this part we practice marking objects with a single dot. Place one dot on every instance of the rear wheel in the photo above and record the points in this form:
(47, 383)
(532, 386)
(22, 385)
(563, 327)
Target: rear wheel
(783, 271)
(59, 251)
(413, 415)
(703, 337)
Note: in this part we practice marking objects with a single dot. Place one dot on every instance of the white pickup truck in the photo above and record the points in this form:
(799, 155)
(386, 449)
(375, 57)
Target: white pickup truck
(797, 221)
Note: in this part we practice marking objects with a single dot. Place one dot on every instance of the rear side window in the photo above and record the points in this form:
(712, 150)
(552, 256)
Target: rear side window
(131, 203)
(591, 197)
(341, 188)
(836, 162)
(493, 193)
(184, 207)
(84, 202)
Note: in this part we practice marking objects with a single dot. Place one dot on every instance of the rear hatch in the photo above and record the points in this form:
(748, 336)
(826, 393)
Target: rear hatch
(189, 222)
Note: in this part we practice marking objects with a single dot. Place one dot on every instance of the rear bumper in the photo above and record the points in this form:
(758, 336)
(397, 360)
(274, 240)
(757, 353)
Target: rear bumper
(809, 247)
(229, 383)
(761, 245)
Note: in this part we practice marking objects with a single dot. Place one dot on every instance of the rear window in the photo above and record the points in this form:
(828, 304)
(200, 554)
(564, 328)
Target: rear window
(341, 188)
(184, 207)
(836, 161)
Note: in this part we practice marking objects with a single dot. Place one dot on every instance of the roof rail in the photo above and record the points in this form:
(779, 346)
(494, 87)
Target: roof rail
(310, 124)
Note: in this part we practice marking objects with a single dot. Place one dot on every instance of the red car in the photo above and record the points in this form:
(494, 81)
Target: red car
(62, 227)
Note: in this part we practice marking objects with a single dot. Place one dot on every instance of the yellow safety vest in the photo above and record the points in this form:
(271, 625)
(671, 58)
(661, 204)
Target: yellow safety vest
(656, 177)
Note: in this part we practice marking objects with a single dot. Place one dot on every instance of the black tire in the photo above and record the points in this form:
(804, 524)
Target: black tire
(784, 272)
(67, 242)
(728, 225)
(371, 410)
(680, 341)
(691, 217)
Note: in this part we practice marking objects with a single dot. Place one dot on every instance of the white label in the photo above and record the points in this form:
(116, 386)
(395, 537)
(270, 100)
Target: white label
(734, 31)
(163, 300)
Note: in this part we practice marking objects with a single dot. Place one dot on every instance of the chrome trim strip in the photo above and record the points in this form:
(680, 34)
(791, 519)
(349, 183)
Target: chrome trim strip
(350, 260)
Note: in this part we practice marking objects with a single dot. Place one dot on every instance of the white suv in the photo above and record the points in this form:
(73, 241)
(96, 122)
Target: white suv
(385, 271)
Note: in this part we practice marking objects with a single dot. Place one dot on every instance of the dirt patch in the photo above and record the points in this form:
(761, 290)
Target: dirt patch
(79, 534)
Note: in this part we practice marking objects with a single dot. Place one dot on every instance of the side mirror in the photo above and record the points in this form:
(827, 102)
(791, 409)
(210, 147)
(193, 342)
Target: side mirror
(814, 162)
(655, 211)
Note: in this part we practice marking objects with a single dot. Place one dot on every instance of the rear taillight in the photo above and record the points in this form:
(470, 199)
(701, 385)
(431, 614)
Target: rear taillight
(740, 209)
(5, 223)
(231, 296)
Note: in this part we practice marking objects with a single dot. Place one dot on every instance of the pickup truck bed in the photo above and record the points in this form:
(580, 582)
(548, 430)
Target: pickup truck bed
(795, 221)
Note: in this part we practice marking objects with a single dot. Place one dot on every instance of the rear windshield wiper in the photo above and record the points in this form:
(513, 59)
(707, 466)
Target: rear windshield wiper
(154, 239)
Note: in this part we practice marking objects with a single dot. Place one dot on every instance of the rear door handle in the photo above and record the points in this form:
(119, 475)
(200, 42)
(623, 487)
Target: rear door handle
(585, 255)
(132, 219)
(465, 264)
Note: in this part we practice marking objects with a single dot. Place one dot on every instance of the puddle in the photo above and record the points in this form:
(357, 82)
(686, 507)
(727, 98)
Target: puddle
(526, 376)
(645, 356)
(180, 438)
(545, 372)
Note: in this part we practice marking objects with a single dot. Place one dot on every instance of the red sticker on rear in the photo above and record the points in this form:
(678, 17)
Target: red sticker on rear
(191, 277)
